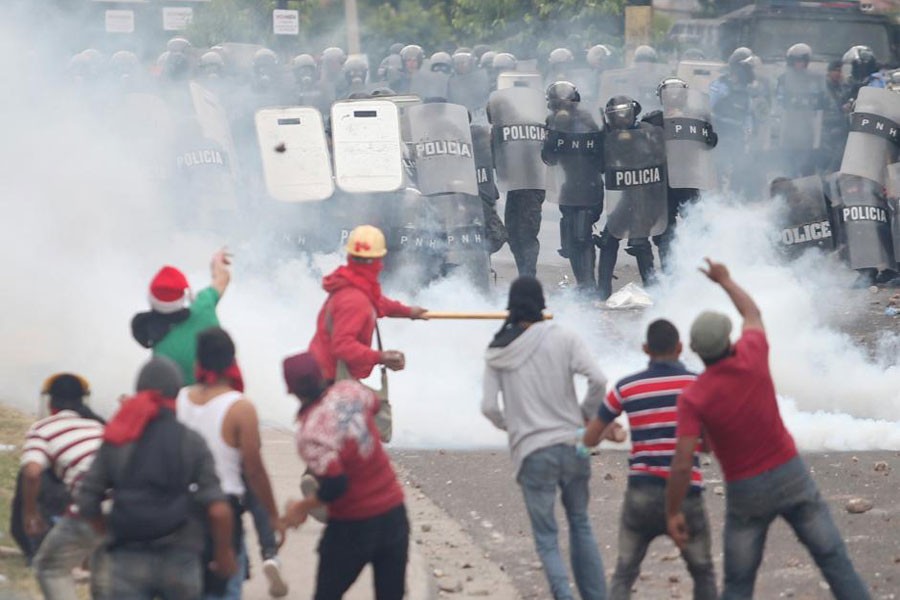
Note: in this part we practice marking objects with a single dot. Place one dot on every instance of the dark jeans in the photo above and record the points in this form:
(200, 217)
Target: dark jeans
(167, 573)
(268, 547)
(348, 546)
(789, 492)
(643, 520)
(523, 223)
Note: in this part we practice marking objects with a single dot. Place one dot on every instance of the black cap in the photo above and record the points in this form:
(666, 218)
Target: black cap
(161, 374)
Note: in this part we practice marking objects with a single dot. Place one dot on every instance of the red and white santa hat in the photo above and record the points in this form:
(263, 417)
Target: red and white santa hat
(169, 290)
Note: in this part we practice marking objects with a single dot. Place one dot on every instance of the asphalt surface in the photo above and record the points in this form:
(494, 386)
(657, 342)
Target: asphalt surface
(478, 490)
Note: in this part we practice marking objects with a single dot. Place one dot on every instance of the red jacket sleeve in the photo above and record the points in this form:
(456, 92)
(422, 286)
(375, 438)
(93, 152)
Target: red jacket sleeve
(349, 317)
(393, 308)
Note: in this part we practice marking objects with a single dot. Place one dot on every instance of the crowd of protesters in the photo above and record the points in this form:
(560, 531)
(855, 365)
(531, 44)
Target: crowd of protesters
(152, 501)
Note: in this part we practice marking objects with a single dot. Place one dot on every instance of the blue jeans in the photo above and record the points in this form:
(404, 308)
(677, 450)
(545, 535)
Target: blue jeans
(789, 492)
(65, 547)
(236, 582)
(170, 574)
(643, 520)
(268, 546)
(542, 472)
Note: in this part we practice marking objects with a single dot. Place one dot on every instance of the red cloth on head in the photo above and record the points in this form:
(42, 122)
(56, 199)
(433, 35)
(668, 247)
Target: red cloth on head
(362, 276)
(232, 374)
(136, 412)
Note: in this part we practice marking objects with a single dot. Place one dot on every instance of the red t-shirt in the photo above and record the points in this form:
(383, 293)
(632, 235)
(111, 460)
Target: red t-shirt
(337, 436)
(733, 404)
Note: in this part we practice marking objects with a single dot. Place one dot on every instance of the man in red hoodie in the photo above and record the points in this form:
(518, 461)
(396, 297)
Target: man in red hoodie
(348, 318)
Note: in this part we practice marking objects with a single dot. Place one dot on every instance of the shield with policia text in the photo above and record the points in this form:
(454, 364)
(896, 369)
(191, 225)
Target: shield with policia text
(440, 146)
(805, 221)
(865, 218)
(517, 117)
(294, 151)
(635, 178)
(874, 134)
(689, 153)
(368, 152)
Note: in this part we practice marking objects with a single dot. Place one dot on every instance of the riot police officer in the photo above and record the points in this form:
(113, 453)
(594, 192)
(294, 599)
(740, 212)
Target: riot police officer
(501, 63)
(411, 58)
(635, 179)
(861, 70)
(573, 151)
(799, 94)
(356, 72)
(307, 90)
(732, 112)
(559, 63)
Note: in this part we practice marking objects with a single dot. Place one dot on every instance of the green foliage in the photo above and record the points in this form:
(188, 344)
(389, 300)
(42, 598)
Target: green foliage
(248, 21)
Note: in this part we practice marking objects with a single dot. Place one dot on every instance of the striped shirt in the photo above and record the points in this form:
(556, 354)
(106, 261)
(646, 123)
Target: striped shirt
(650, 398)
(65, 442)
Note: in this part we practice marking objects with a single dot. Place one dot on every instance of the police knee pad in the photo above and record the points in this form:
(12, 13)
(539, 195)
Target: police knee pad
(639, 247)
(606, 241)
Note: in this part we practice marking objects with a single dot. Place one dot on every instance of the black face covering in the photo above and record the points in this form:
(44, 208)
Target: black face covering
(150, 327)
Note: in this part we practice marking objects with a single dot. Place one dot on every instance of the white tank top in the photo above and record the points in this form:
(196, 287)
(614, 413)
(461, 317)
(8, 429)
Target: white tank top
(206, 419)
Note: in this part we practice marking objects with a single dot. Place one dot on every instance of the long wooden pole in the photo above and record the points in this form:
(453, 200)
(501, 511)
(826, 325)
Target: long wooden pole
(499, 315)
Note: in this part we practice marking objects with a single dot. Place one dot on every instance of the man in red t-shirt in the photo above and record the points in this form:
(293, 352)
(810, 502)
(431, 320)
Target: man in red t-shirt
(733, 404)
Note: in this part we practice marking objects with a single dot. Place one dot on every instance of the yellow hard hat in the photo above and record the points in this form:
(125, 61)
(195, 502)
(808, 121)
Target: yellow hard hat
(366, 241)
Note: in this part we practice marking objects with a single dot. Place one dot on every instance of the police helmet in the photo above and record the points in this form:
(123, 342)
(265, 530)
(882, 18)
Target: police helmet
(212, 60)
(303, 61)
(560, 56)
(333, 59)
(396, 48)
(504, 62)
(674, 82)
(412, 53)
(478, 50)
(861, 61)
(441, 61)
(390, 68)
(740, 56)
(621, 112)
(562, 92)
(178, 44)
(124, 63)
(264, 59)
(798, 53)
(486, 60)
(463, 62)
(645, 54)
(598, 56)
(355, 69)
(174, 65)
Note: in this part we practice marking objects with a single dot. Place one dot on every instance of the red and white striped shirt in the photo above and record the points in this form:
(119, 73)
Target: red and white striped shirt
(65, 442)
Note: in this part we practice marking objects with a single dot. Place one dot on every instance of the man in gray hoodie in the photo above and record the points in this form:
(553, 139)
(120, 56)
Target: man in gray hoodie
(532, 363)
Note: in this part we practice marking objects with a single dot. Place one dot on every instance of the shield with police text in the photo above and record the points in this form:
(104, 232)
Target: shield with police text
(213, 119)
(440, 146)
(689, 139)
(635, 177)
(517, 117)
(864, 216)
(874, 134)
(294, 151)
(638, 83)
(484, 161)
(805, 219)
(573, 152)
(516, 79)
(698, 74)
(368, 152)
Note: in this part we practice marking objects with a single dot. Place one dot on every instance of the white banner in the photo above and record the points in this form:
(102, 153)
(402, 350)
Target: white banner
(177, 18)
(120, 21)
(285, 22)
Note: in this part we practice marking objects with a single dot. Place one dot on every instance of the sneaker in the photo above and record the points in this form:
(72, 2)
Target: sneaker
(278, 587)
(309, 485)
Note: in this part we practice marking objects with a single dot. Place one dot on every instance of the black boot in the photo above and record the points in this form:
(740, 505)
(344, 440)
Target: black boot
(642, 251)
(609, 250)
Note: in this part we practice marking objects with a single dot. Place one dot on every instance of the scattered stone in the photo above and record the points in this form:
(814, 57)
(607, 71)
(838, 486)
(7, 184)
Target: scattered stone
(788, 593)
(438, 573)
(897, 560)
(453, 586)
(855, 459)
(644, 576)
(719, 490)
(881, 467)
(426, 527)
(466, 566)
(857, 506)
(794, 563)
(481, 593)
(674, 579)
(670, 557)
(608, 477)
(487, 524)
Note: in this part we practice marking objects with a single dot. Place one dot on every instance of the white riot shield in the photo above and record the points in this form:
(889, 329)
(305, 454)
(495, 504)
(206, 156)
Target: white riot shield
(511, 79)
(805, 221)
(294, 151)
(440, 144)
(874, 134)
(698, 74)
(689, 155)
(368, 152)
(517, 117)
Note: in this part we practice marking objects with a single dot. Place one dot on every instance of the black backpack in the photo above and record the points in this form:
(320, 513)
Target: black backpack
(153, 498)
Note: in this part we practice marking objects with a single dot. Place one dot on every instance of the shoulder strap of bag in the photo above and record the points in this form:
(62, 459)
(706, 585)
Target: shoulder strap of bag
(342, 372)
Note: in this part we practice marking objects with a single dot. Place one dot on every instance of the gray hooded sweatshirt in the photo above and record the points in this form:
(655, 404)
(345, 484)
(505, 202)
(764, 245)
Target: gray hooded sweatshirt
(535, 374)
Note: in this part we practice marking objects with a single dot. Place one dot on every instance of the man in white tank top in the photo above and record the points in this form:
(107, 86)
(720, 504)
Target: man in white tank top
(216, 409)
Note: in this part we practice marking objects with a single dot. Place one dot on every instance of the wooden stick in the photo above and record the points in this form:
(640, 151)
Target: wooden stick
(499, 315)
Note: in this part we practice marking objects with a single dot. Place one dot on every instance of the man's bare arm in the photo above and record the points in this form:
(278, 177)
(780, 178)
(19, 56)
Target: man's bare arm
(221, 524)
(31, 487)
(677, 488)
(221, 274)
(249, 445)
(743, 302)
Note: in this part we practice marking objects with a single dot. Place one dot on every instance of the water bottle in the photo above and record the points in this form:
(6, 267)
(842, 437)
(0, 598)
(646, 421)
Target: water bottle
(580, 449)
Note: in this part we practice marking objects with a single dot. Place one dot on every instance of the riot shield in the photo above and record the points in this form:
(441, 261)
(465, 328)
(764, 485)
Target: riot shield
(635, 177)
(864, 216)
(471, 90)
(638, 83)
(573, 151)
(516, 79)
(484, 161)
(466, 244)
(367, 147)
(802, 96)
(429, 84)
(805, 221)
(517, 133)
(296, 163)
(686, 115)
(893, 200)
(874, 134)
(440, 145)
(699, 73)
(213, 118)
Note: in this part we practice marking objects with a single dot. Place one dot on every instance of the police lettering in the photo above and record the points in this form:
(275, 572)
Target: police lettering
(200, 157)
(875, 125)
(526, 133)
(678, 128)
(626, 178)
(444, 148)
(806, 233)
(482, 175)
(865, 213)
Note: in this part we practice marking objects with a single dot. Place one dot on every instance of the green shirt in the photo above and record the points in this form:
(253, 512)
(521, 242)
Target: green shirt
(180, 344)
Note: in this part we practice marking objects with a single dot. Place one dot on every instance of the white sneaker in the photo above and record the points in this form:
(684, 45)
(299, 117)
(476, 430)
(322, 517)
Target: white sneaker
(309, 485)
(278, 587)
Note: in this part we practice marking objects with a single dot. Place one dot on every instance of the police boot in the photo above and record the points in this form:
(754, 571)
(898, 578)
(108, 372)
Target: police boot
(582, 263)
(642, 251)
(609, 250)
(664, 247)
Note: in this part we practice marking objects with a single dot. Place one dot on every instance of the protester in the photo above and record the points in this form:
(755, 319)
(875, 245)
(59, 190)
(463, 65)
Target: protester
(733, 404)
(532, 363)
(64, 444)
(649, 398)
(171, 326)
(367, 523)
(165, 492)
(216, 408)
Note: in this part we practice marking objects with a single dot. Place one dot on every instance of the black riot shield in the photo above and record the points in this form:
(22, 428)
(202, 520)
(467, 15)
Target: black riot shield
(874, 134)
(864, 218)
(635, 180)
(462, 217)
(471, 90)
(806, 216)
(638, 83)
(689, 151)
(573, 152)
(429, 84)
(517, 133)
(801, 97)
(440, 146)
(893, 200)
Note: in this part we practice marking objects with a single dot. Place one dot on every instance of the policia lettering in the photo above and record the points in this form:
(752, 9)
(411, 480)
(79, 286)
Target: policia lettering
(680, 128)
(521, 133)
(620, 179)
(200, 157)
(444, 148)
(865, 213)
(875, 125)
